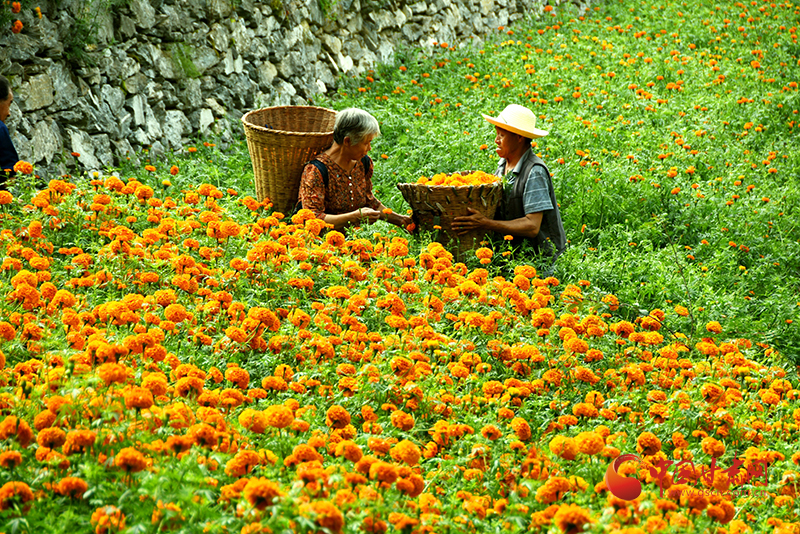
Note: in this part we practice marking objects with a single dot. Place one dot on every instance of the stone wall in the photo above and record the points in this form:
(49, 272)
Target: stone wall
(161, 71)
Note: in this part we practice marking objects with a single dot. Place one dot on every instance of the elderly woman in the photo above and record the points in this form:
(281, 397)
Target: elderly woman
(337, 185)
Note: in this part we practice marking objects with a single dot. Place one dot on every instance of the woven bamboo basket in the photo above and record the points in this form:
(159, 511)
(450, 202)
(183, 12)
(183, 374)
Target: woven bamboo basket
(437, 206)
(281, 140)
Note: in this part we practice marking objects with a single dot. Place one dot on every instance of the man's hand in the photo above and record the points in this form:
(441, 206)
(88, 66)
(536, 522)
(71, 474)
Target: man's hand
(466, 223)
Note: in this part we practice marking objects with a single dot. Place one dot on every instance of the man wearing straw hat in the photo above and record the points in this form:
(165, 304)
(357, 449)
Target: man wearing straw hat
(529, 211)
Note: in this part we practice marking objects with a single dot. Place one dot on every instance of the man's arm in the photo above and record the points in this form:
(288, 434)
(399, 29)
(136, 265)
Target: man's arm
(527, 226)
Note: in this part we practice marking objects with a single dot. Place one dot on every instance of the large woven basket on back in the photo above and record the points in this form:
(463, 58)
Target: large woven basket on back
(435, 207)
(281, 140)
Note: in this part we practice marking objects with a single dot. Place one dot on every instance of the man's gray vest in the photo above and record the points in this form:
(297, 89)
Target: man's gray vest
(551, 240)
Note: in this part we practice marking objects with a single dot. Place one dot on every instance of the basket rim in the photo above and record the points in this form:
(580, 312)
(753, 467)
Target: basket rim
(245, 120)
(414, 184)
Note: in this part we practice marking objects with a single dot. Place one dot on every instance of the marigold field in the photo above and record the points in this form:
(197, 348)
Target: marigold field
(176, 356)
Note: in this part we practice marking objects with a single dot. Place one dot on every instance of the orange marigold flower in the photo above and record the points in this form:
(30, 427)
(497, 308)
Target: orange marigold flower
(571, 517)
(563, 447)
(590, 443)
(130, 459)
(350, 450)
(261, 492)
(383, 472)
(73, 487)
(14, 493)
(714, 327)
(337, 417)
(279, 416)
(402, 420)
(521, 428)
(407, 452)
(325, 514)
(108, 519)
(23, 167)
(648, 443)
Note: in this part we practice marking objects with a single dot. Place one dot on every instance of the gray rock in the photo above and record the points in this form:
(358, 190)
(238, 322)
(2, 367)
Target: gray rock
(219, 38)
(170, 95)
(24, 147)
(104, 26)
(345, 63)
(291, 64)
(102, 149)
(176, 125)
(127, 65)
(203, 58)
(205, 120)
(46, 141)
(152, 125)
(241, 35)
(332, 43)
(140, 137)
(190, 93)
(22, 48)
(135, 84)
(137, 104)
(382, 19)
(157, 149)
(283, 93)
(143, 12)
(218, 9)
(293, 36)
(65, 92)
(83, 144)
(386, 52)
(412, 32)
(127, 27)
(419, 7)
(266, 72)
(113, 96)
(124, 152)
(215, 106)
(164, 65)
(324, 75)
(36, 93)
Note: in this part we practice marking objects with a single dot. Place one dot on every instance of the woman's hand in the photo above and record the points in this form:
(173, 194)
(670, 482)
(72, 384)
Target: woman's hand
(367, 215)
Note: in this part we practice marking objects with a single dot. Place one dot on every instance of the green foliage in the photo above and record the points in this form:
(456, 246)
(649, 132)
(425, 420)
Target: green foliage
(184, 62)
(670, 148)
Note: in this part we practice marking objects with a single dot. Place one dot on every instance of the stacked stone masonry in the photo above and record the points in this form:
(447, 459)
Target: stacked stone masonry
(163, 71)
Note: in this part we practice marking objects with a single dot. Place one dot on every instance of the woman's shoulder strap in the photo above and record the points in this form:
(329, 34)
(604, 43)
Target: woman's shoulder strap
(322, 168)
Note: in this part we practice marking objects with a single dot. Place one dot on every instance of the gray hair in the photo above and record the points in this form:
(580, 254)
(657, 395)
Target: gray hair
(356, 124)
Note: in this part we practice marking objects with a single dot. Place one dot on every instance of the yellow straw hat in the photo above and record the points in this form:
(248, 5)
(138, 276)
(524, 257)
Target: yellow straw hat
(517, 119)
